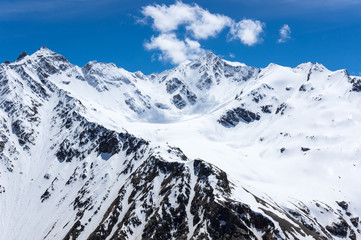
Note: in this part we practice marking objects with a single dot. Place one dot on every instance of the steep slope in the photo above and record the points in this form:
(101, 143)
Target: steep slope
(89, 153)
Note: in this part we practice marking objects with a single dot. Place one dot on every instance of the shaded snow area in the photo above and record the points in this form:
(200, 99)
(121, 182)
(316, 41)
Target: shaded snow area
(211, 149)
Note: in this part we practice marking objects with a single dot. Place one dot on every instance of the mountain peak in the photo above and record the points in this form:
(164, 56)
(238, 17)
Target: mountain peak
(308, 66)
(273, 66)
(98, 66)
(44, 48)
(318, 67)
(210, 56)
(45, 53)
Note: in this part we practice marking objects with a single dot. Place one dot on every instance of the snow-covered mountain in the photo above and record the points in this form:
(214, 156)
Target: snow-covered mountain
(211, 149)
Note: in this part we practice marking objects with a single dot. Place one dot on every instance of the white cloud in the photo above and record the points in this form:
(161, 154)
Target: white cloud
(200, 22)
(207, 24)
(166, 19)
(248, 31)
(285, 33)
(174, 49)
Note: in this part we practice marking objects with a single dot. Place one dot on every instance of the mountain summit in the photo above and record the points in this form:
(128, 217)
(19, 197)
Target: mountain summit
(210, 149)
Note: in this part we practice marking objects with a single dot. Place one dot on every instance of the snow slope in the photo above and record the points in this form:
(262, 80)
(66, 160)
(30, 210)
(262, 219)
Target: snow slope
(208, 150)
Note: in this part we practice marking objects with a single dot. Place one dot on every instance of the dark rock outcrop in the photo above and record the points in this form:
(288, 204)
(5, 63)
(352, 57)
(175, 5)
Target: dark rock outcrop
(178, 101)
(232, 117)
(21, 56)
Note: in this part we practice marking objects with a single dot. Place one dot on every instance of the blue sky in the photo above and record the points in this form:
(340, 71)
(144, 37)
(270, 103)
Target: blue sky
(152, 36)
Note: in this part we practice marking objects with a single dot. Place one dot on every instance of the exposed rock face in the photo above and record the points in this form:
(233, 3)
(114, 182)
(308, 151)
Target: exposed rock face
(21, 56)
(356, 85)
(178, 101)
(281, 108)
(338, 229)
(266, 108)
(232, 117)
(173, 84)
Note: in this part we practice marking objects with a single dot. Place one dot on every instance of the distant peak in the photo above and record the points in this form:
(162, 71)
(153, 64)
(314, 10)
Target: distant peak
(318, 67)
(98, 66)
(46, 53)
(210, 55)
(95, 63)
(207, 58)
(44, 49)
(273, 65)
(305, 65)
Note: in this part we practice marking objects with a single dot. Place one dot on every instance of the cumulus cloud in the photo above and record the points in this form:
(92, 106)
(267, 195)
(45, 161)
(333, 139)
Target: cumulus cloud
(248, 31)
(174, 49)
(166, 19)
(200, 22)
(196, 24)
(285, 34)
(208, 24)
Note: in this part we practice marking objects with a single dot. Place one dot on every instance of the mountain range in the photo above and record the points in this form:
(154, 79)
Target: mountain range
(210, 149)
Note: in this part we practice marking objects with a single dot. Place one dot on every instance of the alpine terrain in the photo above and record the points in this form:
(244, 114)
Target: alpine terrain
(210, 149)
